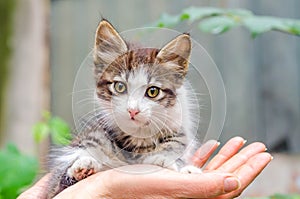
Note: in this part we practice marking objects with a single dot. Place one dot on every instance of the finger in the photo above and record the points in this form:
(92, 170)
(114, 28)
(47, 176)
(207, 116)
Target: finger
(204, 152)
(206, 185)
(226, 152)
(242, 157)
(39, 190)
(249, 171)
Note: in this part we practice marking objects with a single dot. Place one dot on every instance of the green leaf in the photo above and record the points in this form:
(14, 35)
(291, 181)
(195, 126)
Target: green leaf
(239, 12)
(217, 20)
(40, 131)
(60, 131)
(258, 25)
(294, 27)
(11, 148)
(17, 171)
(283, 196)
(291, 26)
(196, 13)
(217, 25)
(167, 20)
(184, 16)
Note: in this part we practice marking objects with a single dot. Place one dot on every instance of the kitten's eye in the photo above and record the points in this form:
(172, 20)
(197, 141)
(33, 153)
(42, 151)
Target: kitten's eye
(120, 87)
(152, 92)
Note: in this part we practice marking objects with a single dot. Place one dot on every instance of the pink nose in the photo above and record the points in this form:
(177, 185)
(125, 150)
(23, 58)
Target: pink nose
(133, 112)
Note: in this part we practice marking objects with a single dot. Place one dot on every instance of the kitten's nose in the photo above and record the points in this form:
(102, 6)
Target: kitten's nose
(133, 112)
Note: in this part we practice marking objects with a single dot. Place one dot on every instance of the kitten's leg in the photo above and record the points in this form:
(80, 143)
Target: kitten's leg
(163, 159)
(83, 167)
(171, 157)
(74, 165)
(59, 181)
(171, 161)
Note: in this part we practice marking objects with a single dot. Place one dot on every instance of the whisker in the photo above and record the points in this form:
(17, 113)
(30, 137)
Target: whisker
(86, 100)
(97, 120)
(83, 90)
(90, 113)
(164, 125)
(157, 127)
(165, 116)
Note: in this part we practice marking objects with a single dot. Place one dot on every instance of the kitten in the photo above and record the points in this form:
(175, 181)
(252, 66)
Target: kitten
(145, 111)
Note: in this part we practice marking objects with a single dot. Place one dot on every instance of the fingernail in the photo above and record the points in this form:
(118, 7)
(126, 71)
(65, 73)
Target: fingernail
(218, 143)
(212, 142)
(272, 157)
(244, 142)
(207, 148)
(231, 184)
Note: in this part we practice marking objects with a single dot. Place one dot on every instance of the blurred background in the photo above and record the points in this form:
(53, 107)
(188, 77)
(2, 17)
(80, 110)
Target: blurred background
(44, 42)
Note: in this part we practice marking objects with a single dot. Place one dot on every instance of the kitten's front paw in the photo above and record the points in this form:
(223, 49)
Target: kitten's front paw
(190, 169)
(83, 167)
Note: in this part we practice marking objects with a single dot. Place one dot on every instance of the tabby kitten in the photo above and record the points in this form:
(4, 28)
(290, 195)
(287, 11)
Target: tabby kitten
(145, 113)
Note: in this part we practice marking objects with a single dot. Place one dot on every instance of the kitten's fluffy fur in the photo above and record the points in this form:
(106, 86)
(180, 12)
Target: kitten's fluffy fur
(145, 111)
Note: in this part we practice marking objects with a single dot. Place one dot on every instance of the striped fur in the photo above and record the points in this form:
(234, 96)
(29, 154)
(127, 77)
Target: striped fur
(160, 131)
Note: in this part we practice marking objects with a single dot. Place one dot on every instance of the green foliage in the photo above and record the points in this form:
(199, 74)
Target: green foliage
(58, 130)
(217, 20)
(17, 171)
(278, 196)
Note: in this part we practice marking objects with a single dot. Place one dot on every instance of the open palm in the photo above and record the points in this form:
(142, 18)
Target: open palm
(226, 175)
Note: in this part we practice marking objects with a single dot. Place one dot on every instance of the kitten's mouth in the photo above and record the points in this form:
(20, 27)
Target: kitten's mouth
(147, 123)
(140, 123)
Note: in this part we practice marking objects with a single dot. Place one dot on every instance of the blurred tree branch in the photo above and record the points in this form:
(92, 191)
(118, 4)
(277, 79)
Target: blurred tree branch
(218, 20)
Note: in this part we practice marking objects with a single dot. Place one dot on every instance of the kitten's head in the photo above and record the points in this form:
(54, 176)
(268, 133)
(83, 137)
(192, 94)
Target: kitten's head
(138, 88)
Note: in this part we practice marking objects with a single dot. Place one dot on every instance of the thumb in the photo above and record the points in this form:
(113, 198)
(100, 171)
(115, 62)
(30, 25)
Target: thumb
(38, 190)
(208, 185)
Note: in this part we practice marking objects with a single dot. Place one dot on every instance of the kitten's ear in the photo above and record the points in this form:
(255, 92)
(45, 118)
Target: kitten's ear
(109, 45)
(176, 53)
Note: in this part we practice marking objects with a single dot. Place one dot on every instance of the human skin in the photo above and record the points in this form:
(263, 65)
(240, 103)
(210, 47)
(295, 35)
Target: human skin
(226, 175)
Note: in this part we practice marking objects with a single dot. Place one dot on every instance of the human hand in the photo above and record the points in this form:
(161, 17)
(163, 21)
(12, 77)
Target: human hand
(225, 176)
(245, 164)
